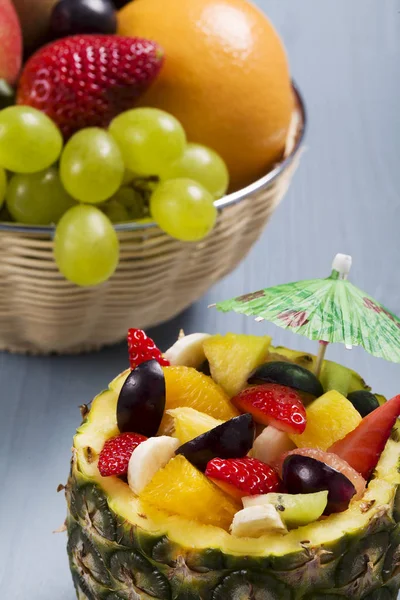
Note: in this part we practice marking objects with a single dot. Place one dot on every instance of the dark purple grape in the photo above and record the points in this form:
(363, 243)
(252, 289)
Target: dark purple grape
(70, 17)
(233, 439)
(306, 475)
(120, 3)
(141, 401)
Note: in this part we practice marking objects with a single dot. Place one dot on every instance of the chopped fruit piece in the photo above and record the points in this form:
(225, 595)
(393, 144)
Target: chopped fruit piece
(271, 444)
(142, 348)
(187, 387)
(116, 453)
(233, 357)
(152, 455)
(363, 401)
(332, 460)
(362, 447)
(255, 521)
(241, 477)
(305, 475)
(289, 374)
(141, 401)
(272, 404)
(295, 510)
(85, 80)
(190, 423)
(329, 418)
(181, 489)
(188, 350)
(233, 439)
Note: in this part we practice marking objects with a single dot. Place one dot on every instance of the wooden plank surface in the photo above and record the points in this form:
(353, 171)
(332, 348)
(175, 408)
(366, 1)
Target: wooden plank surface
(345, 57)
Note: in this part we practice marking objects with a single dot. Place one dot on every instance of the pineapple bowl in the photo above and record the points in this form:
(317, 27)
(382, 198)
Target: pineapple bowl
(224, 469)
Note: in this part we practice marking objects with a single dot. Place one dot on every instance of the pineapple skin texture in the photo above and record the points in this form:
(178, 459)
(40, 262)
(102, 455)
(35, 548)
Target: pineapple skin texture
(113, 559)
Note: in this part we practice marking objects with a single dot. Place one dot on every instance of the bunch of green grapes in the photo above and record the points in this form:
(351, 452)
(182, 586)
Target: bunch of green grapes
(141, 168)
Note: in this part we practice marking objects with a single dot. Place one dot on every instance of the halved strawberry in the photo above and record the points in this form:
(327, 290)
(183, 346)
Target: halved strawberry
(142, 348)
(273, 404)
(117, 451)
(241, 477)
(362, 447)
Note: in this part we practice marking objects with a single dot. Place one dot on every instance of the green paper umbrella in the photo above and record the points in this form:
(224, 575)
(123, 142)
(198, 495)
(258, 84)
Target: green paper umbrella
(328, 310)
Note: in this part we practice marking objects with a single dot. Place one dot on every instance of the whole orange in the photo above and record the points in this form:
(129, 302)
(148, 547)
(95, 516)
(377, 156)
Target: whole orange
(226, 77)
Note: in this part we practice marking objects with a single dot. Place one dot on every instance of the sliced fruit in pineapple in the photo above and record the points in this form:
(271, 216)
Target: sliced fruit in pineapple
(189, 423)
(232, 357)
(271, 444)
(152, 456)
(329, 418)
(188, 350)
(295, 510)
(258, 520)
(181, 489)
(187, 387)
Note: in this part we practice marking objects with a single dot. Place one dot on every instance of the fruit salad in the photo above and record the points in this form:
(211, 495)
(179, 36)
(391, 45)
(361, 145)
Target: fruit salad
(224, 468)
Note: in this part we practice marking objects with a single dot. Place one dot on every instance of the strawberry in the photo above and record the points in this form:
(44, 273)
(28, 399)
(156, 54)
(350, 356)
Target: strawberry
(241, 477)
(362, 447)
(273, 404)
(117, 451)
(86, 80)
(142, 348)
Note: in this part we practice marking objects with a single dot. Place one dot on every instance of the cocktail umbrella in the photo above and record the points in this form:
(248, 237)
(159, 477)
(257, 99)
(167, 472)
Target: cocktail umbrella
(328, 310)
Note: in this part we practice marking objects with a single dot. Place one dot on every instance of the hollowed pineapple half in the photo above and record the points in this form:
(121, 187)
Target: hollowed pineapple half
(120, 549)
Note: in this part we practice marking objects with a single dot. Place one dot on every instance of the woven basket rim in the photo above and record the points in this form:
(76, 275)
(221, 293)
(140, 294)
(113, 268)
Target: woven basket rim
(228, 200)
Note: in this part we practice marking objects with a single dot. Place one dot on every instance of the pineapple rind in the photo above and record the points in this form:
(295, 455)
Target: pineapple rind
(354, 554)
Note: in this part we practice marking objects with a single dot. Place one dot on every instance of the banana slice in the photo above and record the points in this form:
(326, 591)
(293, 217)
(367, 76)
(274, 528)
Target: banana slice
(271, 444)
(255, 521)
(148, 458)
(188, 350)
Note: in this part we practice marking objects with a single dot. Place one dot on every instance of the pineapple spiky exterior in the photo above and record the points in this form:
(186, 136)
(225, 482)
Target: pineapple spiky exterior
(120, 551)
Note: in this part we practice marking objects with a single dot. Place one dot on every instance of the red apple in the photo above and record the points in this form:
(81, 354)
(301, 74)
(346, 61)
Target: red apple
(10, 43)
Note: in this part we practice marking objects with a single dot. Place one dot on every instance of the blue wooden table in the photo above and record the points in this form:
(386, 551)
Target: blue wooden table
(345, 197)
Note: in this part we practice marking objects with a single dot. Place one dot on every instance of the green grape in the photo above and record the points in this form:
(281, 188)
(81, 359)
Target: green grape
(3, 186)
(29, 140)
(128, 177)
(201, 164)
(115, 211)
(91, 166)
(132, 200)
(148, 138)
(86, 247)
(37, 198)
(183, 209)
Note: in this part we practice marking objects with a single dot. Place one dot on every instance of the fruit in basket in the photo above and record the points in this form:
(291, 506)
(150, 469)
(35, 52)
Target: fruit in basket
(29, 140)
(37, 198)
(160, 544)
(10, 44)
(363, 446)
(246, 352)
(91, 166)
(241, 477)
(245, 120)
(295, 509)
(148, 139)
(329, 418)
(203, 165)
(141, 401)
(86, 80)
(272, 404)
(70, 17)
(184, 209)
(306, 475)
(86, 247)
(115, 211)
(232, 439)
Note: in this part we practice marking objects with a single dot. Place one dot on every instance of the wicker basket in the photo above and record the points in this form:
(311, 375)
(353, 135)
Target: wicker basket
(157, 276)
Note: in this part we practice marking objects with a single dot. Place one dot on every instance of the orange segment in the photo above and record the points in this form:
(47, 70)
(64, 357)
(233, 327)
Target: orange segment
(187, 387)
(181, 489)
